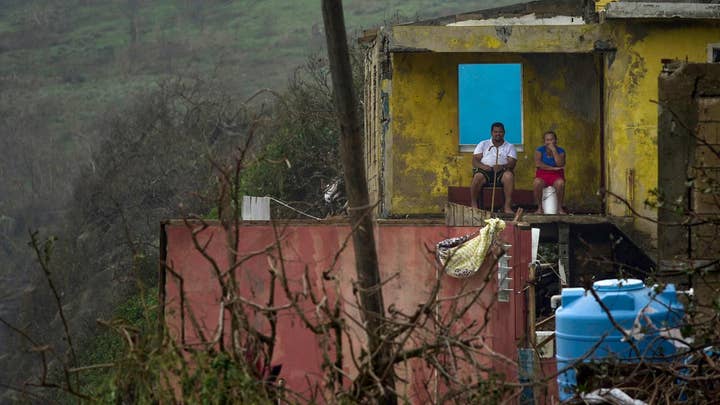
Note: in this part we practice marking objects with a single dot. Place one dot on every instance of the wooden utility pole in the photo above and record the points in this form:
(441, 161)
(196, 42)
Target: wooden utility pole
(360, 211)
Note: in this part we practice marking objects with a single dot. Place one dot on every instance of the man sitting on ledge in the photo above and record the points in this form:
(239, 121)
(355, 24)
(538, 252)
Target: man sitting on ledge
(493, 163)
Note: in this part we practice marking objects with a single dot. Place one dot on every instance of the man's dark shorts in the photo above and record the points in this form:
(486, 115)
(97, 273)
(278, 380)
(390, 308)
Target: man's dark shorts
(489, 176)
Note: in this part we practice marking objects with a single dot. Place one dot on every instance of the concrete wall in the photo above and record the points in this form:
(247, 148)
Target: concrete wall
(560, 92)
(706, 171)
(376, 119)
(632, 116)
(688, 140)
(605, 116)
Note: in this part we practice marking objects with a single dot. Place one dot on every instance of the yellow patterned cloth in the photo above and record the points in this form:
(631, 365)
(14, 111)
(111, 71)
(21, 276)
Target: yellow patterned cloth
(462, 256)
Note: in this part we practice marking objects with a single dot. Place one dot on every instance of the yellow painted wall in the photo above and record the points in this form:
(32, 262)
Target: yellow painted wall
(601, 4)
(631, 83)
(560, 92)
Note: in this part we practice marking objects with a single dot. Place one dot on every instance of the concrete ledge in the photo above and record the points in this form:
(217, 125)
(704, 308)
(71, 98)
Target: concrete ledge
(692, 11)
(520, 38)
(521, 198)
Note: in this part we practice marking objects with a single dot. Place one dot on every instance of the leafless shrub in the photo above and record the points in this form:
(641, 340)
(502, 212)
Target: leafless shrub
(692, 375)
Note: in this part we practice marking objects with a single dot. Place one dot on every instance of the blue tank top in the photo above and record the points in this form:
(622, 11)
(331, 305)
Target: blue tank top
(549, 160)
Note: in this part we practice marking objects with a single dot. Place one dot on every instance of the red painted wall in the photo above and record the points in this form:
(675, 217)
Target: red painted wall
(406, 260)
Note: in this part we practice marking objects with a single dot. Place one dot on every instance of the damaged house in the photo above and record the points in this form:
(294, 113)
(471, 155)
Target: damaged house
(632, 90)
(606, 76)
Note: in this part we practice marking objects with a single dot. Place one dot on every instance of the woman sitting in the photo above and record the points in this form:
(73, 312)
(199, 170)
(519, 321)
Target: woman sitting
(550, 164)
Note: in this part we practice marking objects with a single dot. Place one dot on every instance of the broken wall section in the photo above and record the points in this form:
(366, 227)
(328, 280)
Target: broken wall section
(689, 160)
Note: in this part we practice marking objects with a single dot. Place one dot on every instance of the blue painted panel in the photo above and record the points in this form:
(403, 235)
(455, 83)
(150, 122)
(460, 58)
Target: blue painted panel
(487, 93)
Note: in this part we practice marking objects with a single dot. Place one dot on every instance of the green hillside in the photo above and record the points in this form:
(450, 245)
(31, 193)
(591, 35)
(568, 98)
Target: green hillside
(64, 63)
(79, 45)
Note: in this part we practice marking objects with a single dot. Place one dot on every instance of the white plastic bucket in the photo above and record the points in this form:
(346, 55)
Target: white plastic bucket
(549, 200)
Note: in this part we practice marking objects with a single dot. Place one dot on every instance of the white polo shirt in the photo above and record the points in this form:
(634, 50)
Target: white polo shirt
(489, 151)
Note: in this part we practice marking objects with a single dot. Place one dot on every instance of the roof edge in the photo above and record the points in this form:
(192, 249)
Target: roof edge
(541, 8)
(662, 11)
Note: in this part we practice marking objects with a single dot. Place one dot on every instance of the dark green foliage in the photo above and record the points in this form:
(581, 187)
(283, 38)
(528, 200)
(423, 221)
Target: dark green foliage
(138, 313)
(300, 155)
(129, 363)
(157, 155)
(222, 380)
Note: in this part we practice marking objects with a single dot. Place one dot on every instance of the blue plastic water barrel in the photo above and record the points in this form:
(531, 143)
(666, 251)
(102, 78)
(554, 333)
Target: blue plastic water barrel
(581, 323)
